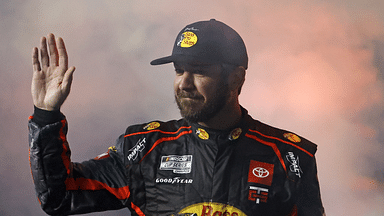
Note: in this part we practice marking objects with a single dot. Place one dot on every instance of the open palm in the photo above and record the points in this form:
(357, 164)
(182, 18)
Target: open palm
(51, 81)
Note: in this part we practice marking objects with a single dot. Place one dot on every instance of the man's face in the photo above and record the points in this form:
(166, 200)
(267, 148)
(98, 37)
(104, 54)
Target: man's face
(201, 90)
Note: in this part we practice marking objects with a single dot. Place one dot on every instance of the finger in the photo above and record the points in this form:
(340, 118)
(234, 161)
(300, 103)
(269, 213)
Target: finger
(44, 52)
(35, 59)
(67, 80)
(63, 57)
(53, 53)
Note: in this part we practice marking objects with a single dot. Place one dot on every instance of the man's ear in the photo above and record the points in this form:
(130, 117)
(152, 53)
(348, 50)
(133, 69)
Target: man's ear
(236, 79)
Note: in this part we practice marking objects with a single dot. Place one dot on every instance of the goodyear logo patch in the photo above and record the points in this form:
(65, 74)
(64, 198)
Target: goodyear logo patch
(211, 209)
(152, 125)
(292, 137)
(181, 164)
(187, 39)
(202, 134)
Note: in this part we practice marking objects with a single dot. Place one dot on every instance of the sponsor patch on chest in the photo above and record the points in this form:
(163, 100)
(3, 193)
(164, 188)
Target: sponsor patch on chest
(134, 152)
(294, 161)
(260, 172)
(210, 209)
(181, 164)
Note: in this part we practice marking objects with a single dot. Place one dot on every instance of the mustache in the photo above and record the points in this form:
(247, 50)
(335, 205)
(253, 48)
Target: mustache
(192, 95)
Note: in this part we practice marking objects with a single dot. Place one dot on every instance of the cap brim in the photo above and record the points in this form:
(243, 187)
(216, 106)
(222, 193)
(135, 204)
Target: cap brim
(182, 58)
(164, 60)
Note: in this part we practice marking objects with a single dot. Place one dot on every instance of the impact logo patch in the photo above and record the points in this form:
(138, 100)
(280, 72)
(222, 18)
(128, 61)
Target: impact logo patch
(187, 39)
(292, 137)
(294, 167)
(260, 172)
(181, 164)
(136, 149)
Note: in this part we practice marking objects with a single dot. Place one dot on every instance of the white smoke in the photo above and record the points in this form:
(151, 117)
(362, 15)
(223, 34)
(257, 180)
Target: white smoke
(315, 68)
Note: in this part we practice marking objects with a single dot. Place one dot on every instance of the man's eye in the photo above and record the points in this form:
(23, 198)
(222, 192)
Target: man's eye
(179, 71)
(200, 72)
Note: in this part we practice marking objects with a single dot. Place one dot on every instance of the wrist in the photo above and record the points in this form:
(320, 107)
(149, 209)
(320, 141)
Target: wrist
(44, 117)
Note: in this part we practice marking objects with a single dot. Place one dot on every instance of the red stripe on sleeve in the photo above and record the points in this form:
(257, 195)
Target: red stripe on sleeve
(289, 143)
(294, 211)
(64, 154)
(90, 184)
(137, 210)
(164, 139)
(272, 145)
(160, 131)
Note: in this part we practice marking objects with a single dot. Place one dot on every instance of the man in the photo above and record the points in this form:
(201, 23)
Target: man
(216, 160)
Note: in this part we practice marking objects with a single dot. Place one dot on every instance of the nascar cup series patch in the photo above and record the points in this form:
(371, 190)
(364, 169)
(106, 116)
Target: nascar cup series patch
(180, 164)
(211, 209)
(187, 39)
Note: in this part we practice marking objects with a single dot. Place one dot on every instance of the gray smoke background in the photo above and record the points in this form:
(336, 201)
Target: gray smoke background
(316, 68)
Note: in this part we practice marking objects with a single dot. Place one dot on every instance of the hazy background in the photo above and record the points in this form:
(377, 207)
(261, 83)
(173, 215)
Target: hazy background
(316, 68)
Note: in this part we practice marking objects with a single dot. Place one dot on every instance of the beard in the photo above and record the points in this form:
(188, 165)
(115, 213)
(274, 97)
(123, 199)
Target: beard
(196, 109)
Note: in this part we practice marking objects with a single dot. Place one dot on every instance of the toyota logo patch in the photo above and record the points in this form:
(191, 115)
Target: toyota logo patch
(260, 172)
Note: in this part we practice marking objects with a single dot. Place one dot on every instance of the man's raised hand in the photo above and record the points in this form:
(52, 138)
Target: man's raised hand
(51, 81)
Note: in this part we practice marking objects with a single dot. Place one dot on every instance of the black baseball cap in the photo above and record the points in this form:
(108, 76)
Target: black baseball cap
(208, 42)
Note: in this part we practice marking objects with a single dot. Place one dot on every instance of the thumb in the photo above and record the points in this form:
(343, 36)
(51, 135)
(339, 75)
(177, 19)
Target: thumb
(67, 79)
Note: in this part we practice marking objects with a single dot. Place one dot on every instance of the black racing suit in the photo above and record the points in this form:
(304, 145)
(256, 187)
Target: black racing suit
(178, 168)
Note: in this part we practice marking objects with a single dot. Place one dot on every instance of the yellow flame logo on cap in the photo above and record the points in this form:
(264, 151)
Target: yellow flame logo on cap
(187, 39)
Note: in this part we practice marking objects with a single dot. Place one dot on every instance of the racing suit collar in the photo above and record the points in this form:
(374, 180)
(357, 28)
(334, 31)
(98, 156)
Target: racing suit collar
(233, 133)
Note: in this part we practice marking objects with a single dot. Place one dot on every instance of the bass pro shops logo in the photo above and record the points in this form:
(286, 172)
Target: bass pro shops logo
(211, 209)
(187, 39)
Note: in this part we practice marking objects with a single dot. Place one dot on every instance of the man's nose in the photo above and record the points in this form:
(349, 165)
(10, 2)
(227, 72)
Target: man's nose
(186, 81)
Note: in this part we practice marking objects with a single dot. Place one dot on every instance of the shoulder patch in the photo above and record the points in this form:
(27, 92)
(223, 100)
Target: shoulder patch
(300, 143)
(272, 133)
(152, 126)
(112, 148)
(292, 137)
